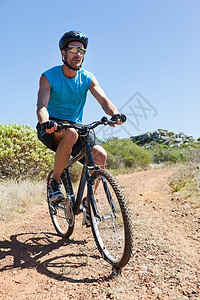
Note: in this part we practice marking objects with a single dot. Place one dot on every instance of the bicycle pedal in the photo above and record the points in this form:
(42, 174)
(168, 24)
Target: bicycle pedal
(86, 221)
(84, 216)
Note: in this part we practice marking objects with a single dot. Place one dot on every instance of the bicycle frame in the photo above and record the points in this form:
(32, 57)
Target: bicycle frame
(89, 165)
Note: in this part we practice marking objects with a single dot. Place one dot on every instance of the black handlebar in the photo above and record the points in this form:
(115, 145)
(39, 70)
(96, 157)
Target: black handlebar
(82, 127)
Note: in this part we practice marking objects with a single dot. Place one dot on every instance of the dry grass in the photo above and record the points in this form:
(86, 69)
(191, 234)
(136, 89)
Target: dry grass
(17, 197)
(186, 181)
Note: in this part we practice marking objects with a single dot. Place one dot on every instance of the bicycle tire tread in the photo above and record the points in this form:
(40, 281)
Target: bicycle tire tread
(126, 217)
(70, 228)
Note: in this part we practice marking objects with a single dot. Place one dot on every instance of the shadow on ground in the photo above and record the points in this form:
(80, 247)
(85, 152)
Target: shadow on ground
(29, 251)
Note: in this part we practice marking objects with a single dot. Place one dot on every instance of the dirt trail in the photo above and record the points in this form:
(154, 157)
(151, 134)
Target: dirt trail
(37, 264)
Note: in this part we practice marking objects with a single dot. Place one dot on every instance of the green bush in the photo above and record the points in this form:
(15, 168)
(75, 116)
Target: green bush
(124, 153)
(165, 154)
(22, 154)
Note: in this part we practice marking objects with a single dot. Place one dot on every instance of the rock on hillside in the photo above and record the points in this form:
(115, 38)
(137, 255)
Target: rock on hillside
(163, 137)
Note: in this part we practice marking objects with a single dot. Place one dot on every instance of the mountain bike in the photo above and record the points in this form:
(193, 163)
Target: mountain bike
(107, 206)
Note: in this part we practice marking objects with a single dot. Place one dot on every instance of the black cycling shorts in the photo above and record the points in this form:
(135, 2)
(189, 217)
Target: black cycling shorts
(47, 140)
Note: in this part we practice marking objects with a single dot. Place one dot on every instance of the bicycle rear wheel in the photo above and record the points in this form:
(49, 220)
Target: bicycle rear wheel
(61, 212)
(112, 228)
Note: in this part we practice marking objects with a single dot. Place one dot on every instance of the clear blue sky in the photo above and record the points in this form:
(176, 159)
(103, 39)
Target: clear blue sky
(144, 53)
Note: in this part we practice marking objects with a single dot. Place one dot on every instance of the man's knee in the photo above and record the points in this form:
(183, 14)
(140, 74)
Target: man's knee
(68, 137)
(99, 155)
(71, 134)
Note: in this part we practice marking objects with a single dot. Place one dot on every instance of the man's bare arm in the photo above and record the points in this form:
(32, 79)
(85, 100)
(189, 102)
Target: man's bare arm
(43, 99)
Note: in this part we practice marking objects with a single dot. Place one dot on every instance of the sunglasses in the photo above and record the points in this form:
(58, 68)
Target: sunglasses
(76, 49)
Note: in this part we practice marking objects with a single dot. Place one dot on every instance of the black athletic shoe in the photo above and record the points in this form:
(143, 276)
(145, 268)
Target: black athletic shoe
(87, 219)
(55, 193)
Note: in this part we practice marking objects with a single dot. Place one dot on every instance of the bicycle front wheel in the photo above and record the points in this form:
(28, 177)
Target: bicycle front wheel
(61, 212)
(112, 226)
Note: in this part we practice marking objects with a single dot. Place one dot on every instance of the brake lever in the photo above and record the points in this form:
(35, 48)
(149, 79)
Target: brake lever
(105, 121)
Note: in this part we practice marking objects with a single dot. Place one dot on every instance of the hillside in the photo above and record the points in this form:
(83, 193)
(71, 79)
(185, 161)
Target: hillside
(164, 137)
(37, 264)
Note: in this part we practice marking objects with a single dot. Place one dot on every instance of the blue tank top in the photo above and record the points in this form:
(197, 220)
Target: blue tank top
(67, 96)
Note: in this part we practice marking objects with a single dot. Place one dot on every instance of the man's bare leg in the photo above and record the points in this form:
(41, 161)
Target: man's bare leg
(99, 155)
(65, 141)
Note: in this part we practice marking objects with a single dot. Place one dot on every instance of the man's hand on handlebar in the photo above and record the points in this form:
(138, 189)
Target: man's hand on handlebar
(49, 126)
(118, 118)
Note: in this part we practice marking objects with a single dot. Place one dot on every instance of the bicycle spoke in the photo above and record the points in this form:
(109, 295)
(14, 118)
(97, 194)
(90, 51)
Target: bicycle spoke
(112, 229)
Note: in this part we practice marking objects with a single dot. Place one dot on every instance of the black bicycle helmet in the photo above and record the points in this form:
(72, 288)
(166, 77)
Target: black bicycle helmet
(73, 35)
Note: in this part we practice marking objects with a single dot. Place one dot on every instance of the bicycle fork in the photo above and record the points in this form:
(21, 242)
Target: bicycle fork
(90, 183)
(107, 192)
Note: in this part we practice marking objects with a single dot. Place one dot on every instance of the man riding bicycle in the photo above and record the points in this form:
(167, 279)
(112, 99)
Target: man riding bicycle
(61, 97)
